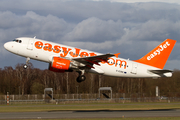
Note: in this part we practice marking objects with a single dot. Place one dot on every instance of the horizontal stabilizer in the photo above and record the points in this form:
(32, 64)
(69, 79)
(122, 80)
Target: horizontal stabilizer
(160, 71)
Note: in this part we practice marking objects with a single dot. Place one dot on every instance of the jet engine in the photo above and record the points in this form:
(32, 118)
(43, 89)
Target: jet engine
(60, 65)
(63, 65)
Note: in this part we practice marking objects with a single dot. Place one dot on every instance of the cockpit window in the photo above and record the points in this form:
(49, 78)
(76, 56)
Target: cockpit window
(18, 41)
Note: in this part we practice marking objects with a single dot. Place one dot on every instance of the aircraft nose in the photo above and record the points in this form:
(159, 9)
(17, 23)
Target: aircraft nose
(6, 46)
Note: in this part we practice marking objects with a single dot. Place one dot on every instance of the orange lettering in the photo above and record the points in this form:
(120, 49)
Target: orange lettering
(120, 64)
(112, 62)
(83, 54)
(65, 51)
(48, 47)
(56, 49)
(76, 53)
(38, 44)
(92, 54)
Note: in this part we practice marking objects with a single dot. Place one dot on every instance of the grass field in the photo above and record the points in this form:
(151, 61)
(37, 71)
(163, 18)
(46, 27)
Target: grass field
(153, 118)
(87, 106)
(93, 106)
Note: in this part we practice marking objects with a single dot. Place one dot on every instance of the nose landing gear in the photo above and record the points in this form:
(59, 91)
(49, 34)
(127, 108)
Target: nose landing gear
(27, 61)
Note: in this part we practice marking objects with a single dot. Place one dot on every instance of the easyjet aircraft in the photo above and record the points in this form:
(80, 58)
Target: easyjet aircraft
(62, 58)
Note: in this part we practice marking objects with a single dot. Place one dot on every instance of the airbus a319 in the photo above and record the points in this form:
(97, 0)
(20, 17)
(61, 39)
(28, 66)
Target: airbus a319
(62, 58)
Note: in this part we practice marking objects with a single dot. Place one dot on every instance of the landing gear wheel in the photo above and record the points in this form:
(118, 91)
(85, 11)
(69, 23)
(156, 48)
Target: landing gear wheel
(27, 62)
(25, 66)
(80, 78)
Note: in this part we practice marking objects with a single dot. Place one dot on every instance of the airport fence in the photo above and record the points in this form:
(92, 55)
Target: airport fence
(80, 98)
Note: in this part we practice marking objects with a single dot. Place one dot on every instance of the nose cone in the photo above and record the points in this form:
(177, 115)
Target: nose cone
(11, 47)
(6, 45)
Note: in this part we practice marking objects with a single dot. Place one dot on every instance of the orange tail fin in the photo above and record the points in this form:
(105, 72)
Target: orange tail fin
(159, 55)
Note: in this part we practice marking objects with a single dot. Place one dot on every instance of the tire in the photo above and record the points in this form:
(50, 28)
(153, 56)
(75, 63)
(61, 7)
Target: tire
(81, 78)
(25, 66)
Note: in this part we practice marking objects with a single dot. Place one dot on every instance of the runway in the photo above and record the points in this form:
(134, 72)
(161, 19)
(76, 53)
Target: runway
(92, 114)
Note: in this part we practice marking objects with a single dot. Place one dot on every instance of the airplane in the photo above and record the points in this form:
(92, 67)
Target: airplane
(62, 58)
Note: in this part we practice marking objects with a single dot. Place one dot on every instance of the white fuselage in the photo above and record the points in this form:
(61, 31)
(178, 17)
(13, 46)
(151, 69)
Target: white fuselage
(44, 51)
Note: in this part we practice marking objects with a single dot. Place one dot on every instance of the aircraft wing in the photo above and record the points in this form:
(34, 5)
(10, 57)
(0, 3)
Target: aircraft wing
(89, 61)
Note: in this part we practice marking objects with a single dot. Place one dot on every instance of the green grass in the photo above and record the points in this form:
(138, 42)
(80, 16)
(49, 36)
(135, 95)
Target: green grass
(87, 106)
(158, 118)
(93, 106)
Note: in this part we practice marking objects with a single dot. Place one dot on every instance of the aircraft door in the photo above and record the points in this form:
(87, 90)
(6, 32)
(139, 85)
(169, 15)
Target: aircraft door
(134, 69)
(30, 44)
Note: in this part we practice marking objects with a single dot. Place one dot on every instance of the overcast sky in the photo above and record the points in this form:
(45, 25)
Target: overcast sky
(130, 27)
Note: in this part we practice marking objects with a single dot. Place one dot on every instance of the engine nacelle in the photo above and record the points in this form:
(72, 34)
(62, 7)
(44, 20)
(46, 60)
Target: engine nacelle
(54, 69)
(59, 65)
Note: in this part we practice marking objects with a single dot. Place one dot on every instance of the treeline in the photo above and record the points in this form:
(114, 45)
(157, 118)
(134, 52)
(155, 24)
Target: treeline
(33, 81)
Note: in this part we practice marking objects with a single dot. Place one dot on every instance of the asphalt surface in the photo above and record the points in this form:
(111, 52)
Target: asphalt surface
(92, 114)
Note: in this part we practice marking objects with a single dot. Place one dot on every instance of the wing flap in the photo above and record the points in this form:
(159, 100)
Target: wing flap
(89, 61)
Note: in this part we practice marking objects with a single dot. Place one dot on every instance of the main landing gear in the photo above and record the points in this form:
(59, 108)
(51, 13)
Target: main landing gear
(27, 61)
(81, 76)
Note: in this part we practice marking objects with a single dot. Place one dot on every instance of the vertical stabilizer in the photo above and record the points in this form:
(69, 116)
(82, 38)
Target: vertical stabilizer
(159, 55)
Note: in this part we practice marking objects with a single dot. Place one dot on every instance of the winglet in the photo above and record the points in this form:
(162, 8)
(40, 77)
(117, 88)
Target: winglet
(117, 54)
(159, 55)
